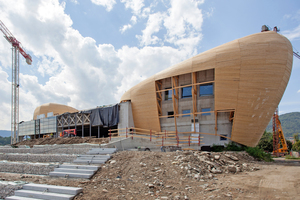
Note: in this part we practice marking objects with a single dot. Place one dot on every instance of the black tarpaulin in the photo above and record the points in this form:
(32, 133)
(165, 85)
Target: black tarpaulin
(106, 117)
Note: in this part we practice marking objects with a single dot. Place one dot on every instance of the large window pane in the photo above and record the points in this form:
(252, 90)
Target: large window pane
(205, 110)
(186, 112)
(186, 92)
(168, 94)
(207, 89)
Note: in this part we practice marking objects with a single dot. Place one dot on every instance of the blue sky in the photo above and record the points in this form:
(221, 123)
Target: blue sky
(87, 53)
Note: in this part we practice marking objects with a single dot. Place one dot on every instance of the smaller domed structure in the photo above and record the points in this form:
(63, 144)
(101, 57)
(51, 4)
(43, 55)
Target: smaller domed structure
(52, 109)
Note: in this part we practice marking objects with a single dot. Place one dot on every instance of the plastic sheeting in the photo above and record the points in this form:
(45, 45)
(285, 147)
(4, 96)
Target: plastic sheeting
(106, 117)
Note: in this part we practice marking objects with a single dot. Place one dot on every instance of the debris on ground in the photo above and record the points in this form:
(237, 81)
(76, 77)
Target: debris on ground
(64, 140)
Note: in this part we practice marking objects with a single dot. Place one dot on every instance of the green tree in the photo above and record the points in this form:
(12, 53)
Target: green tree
(296, 146)
(296, 137)
(4, 140)
(266, 142)
(289, 145)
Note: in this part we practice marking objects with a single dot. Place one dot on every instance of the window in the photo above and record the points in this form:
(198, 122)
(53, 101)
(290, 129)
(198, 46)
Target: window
(186, 112)
(168, 94)
(207, 89)
(170, 113)
(186, 92)
(223, 138)
(205, 110)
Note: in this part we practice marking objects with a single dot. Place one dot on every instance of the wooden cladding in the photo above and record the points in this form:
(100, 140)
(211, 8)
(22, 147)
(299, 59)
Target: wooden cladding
(249, 77)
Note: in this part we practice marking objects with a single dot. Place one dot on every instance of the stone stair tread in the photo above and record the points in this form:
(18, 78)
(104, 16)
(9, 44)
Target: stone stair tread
(52, 188)
(21, 198)
(43, 195)
(74, 170)
(80, 167)
(89, 162)
(70, 175)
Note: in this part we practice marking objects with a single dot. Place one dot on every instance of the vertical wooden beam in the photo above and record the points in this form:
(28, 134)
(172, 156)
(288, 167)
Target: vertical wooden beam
(175, 99)
(194, 96)
(216, 122)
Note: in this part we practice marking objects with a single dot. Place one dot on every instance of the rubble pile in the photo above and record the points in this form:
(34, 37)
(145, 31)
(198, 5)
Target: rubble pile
(27, 168)
(71, 140)
(165, 175)
(202, 165)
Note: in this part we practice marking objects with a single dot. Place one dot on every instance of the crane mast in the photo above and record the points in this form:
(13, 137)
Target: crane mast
(16, 49)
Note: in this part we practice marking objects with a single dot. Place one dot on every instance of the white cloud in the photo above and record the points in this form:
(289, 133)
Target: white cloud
(183, 17)
(109, 4)
(292, 34)
(153, 26)
(84, 74)
(298, 91)
(133, 21)
(134, 5)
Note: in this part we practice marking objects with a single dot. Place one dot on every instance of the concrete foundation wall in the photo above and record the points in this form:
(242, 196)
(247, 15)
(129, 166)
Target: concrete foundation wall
(125, 116)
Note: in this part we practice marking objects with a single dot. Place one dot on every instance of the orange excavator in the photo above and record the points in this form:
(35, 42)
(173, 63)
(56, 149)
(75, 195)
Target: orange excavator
(68, 133)
(278, 134)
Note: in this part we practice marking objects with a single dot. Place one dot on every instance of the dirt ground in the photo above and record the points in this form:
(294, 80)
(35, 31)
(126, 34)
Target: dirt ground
(71, 140)
(183, 175)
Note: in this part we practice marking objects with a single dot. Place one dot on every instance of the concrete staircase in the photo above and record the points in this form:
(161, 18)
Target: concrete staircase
(83, 167)
(38, 191)
(74, 171)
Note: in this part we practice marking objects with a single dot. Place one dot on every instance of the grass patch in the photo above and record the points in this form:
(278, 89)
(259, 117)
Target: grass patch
(291, 157)
(259, 154)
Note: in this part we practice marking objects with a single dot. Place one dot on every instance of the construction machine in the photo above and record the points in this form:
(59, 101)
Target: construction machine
(68, 133)
(278, 134)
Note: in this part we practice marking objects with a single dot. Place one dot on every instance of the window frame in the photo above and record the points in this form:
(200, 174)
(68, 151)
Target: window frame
(205, 110)
(189, 112)
(205, 95)
(223, 138)
(189, 96)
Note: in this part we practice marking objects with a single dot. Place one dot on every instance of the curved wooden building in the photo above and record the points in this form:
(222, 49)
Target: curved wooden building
(51, 109)
(230, 91)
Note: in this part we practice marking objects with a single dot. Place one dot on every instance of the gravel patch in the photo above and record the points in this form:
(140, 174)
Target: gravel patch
(9, 188)
(27, 168)
(38, 157)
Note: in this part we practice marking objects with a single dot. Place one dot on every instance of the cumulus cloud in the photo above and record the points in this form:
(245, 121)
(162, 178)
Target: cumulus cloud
(109, 4)
(153, 26)
(133, 21)
(84, 74)
(134, 5)
(292, 34)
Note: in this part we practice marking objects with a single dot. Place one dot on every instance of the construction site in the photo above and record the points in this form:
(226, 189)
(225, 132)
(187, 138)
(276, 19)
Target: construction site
(156, 142)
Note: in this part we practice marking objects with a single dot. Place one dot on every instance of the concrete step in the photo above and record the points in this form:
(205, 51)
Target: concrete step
(102, 151)
(90, 161)
(52, 188)
(43, 195)
(21, 198)
(80, 171)
(70, 175)
(89, 167)
(94, 156)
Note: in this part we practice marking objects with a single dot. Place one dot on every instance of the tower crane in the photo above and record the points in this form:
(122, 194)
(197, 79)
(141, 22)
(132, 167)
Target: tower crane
(16, 49)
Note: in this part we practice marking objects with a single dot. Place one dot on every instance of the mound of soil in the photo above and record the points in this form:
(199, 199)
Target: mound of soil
(71, 140)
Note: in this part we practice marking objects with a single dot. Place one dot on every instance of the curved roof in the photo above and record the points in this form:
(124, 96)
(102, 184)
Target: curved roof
(251, 74)
(56, 108)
